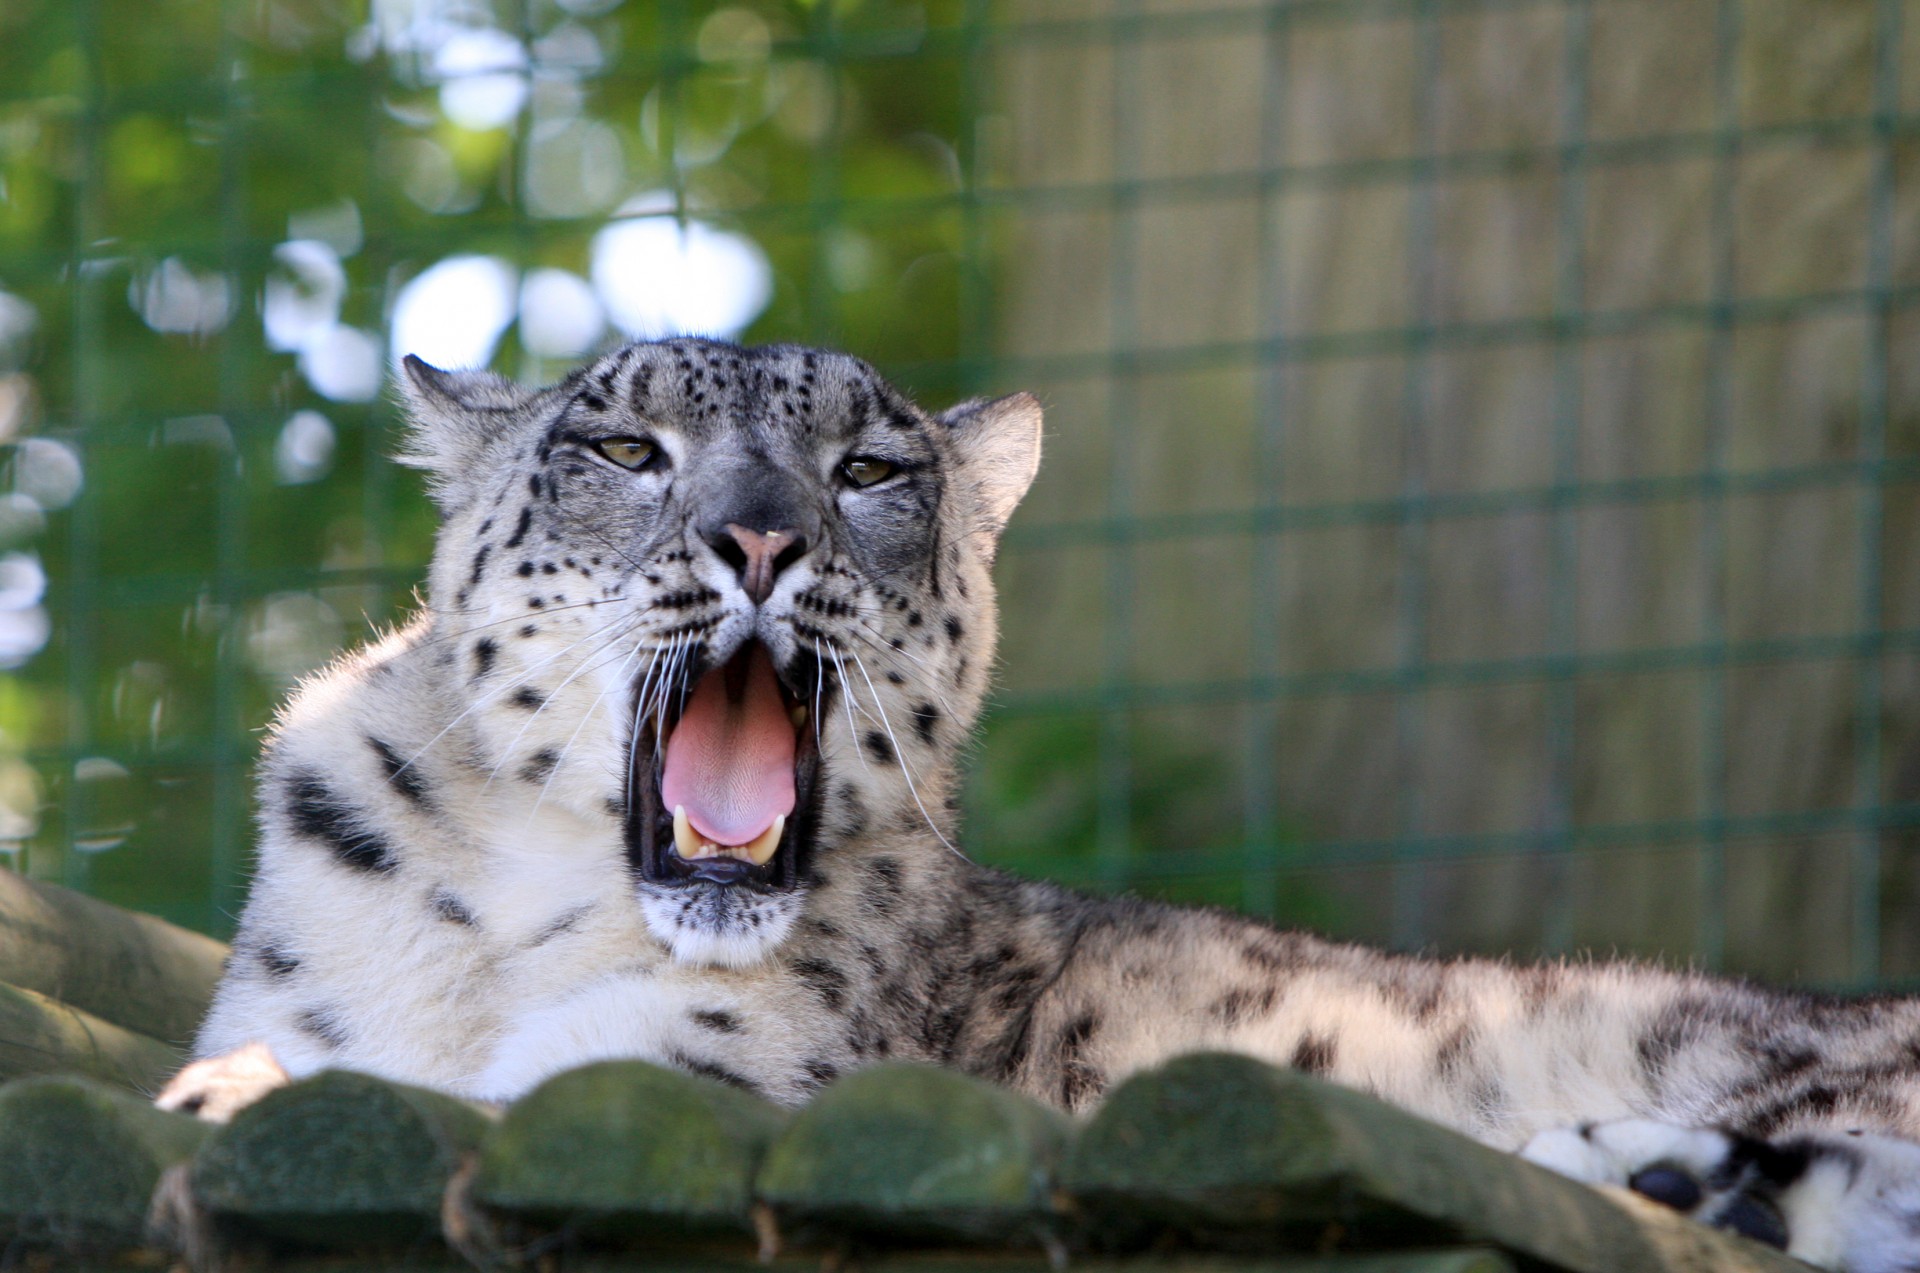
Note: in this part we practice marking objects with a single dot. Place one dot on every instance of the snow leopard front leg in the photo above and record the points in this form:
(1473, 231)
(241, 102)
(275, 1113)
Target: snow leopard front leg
(1838, 1200)
(760, 1037)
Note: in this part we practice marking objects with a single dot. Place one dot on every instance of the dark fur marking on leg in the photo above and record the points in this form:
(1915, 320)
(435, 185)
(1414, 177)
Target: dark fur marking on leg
(825, 980)
(564, 922)
(401, 776)
(276, 960)
(1237, 1007)
(1452, 1052)
(317, 813)
(1416, 987)
(1314, 1054)
(322, 1024)
(708, 1069)
(1080, 1082)
(885, 888)
(716, 1020)
(1815, 1102)
(1275, 952)
(1015, 988)
(452, 909)
(1679, 1024)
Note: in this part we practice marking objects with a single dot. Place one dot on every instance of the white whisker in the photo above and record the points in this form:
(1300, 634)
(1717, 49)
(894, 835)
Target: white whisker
(553, 771)
(846, 688)
(906, 771)
(876, 643)
(506, 753)
(819, 689)
(488, 697)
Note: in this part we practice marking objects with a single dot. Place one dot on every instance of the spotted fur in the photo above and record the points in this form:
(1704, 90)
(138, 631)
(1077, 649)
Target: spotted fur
(448, 893)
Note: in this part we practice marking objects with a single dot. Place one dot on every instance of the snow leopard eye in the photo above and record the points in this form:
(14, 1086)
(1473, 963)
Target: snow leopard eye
(628, 453)
(865, 470)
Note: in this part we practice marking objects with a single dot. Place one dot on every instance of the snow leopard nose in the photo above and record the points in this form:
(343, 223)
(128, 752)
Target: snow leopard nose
(758, 556)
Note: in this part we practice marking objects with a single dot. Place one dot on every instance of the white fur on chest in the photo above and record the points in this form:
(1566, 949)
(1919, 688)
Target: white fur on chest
(533, 872)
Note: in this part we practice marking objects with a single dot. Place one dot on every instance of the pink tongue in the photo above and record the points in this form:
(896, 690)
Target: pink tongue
(730, 759)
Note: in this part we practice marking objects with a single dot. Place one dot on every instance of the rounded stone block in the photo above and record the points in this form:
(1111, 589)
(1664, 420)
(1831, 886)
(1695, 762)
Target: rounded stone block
(79, 1162)
(912, 1153)
(628, 1149)
(340, 1160)
(1223, 1150)
(39, 1035)
(137, 971)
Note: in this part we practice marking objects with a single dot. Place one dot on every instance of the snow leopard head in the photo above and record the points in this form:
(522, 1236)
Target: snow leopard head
(735, 600)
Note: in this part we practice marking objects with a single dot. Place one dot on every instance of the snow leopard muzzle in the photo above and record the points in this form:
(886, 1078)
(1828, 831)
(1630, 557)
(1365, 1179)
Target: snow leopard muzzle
(722, 778)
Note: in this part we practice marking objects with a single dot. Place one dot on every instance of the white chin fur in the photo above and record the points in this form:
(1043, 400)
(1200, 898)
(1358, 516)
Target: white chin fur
(721, 932)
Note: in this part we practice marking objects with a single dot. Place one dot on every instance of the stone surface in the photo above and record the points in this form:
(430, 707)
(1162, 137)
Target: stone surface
(910, 1152)
(1234, 1153)
(39, 1035)
(339, 1160)
(623, 1147)
(79, 1161)
(134, 970)
(677, 1261)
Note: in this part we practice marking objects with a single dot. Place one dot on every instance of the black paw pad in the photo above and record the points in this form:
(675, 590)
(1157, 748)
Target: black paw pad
(1754, 1218)
(1668, 1186)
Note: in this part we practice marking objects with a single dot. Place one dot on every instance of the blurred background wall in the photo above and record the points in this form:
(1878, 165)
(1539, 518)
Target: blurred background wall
(1482, 508)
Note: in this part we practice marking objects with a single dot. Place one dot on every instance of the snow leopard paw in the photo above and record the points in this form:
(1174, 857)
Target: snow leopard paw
(221, 1086)
(1848, 1201)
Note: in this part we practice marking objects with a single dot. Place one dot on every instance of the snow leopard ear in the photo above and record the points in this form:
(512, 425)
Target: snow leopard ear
(997, 441)
(455, 415)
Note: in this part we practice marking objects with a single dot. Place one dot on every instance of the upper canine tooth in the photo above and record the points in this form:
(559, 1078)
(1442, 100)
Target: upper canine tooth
(760, 850)
(798, 715)
(685, 838)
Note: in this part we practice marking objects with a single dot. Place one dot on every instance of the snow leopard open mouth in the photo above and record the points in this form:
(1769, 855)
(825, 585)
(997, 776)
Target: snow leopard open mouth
(721, 782)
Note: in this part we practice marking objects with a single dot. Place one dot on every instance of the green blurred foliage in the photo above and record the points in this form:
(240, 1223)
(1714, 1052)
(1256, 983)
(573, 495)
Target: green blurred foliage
(1031, 792)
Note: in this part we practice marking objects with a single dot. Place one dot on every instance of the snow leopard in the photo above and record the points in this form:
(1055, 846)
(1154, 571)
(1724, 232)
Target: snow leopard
(666, 767)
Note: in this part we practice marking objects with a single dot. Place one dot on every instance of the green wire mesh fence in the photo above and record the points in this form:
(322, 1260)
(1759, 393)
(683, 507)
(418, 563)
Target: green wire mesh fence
(1483, 498)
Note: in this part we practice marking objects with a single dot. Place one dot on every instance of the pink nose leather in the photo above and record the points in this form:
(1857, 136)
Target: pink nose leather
(763, 548)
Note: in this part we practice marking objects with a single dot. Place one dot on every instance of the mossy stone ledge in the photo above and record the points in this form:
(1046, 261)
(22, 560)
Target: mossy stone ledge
(1236, 1154)
(624, 1149)
(911, 1153)
(79, 1162)
(340, 1160)
(41, 1035)
(137, 971)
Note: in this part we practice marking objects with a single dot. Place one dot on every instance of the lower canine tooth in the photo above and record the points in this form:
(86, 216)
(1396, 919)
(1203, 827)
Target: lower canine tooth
(685, 838)
(760, 850)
